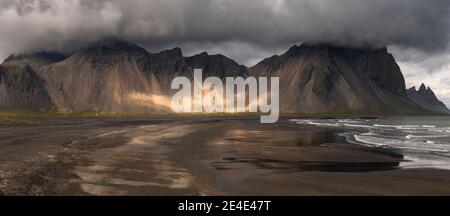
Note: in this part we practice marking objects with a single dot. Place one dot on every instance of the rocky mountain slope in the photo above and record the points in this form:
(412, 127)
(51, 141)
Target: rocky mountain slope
(115, 76)
(328, 79)
(426, 98)
(22, 89)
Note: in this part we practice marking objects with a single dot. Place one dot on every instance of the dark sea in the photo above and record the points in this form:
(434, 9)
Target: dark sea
(424, 140)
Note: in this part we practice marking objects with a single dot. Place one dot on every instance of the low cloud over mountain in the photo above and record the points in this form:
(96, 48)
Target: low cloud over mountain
(264, 25)
(245, 30)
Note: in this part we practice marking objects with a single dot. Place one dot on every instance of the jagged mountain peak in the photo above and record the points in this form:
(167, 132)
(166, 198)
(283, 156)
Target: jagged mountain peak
(422, 88)
(216, 65)
(326, 50)
(47, 55)
(216, 57)
(113, 44)
(427, 99)
(328, 78)
(414, 88)
(35, 59)
(377, 64)
(171, 60)
(329, 51)
(328, 46)
(174, 52)
(113, 75)
(108, 52)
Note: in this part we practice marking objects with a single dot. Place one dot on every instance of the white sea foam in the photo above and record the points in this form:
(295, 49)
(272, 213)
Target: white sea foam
(359, 125)
(319, 123)
(370, 133)
(390, 134)
(408, 127)
(401, 144)
(382, 125)
(348, 121)
(410, 136)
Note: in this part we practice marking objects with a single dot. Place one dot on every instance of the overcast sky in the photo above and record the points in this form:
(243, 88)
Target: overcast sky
(417, 32)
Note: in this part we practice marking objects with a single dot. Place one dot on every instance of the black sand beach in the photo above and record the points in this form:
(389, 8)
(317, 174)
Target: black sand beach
(213, 156)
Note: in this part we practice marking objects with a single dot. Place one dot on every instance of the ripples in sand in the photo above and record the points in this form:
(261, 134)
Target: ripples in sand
(141, 162)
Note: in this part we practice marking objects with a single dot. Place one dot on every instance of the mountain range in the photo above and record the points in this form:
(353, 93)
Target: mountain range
(426, 98)
(116, 76)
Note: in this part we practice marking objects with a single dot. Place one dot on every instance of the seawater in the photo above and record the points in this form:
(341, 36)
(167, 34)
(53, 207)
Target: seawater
(421, 138)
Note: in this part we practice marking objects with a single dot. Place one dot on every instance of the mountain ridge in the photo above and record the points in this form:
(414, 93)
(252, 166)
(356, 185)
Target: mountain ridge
(328, 79)
(35, 59)
(22, 89)
(116, 76)
(427, 99)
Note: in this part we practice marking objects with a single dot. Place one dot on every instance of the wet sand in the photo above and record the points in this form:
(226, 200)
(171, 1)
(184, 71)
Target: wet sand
(223, 156)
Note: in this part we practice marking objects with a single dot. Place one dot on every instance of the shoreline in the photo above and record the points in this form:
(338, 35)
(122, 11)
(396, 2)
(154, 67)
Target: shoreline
(29, 113)
(218, 156)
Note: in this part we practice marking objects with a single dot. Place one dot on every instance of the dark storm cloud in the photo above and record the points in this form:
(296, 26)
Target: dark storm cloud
(258, 26)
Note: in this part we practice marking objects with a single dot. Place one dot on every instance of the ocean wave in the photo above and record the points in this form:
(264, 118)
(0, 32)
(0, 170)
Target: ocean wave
(348, 121)
(359, 125)
(409, 127)
(320, 124)
(389, 134)
(401, 144)
(370, 133)
(383, 125)
(410, 136)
